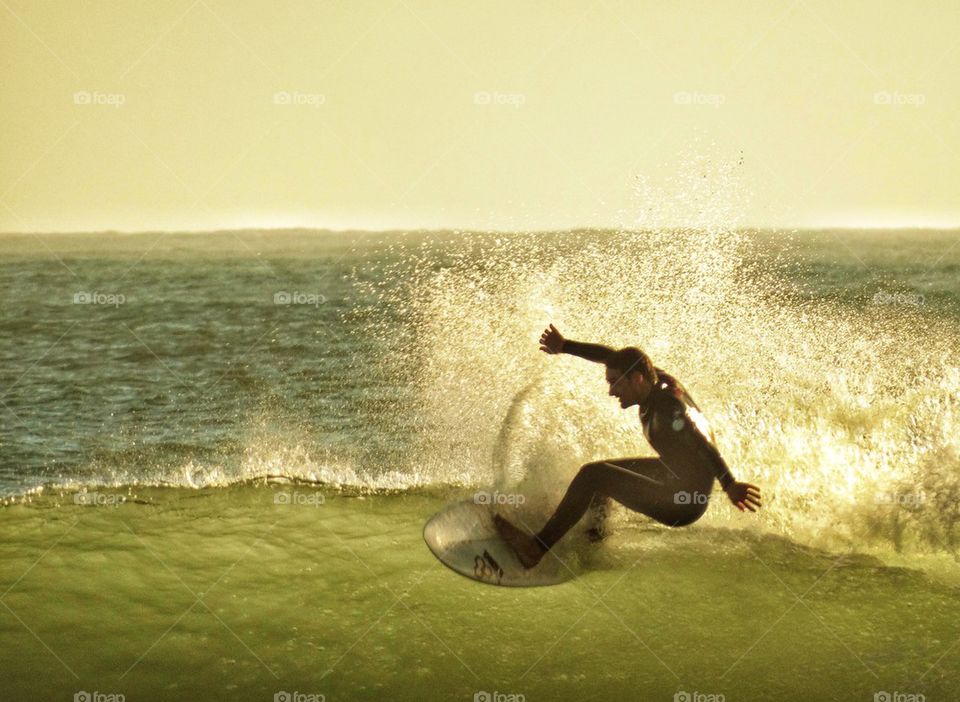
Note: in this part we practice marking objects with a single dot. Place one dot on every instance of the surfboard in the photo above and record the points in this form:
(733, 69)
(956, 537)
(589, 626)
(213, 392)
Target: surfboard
(464, 538)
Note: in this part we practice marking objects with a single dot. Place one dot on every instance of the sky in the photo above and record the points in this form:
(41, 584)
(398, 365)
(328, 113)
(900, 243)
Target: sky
(213, 114)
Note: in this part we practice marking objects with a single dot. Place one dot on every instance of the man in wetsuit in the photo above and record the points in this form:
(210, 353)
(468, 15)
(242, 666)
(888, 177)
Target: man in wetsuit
(673, 488)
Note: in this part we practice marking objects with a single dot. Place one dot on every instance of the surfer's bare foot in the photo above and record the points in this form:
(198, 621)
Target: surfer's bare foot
(596, 534)
(527, 548)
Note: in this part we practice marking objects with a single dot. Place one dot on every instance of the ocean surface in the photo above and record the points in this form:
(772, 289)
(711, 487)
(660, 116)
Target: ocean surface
(218, 451)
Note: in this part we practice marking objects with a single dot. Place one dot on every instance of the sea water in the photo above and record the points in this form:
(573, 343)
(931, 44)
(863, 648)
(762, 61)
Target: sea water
(219, 449)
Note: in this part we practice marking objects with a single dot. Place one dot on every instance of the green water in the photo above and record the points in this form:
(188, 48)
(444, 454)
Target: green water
(224, 594)
(825, 361)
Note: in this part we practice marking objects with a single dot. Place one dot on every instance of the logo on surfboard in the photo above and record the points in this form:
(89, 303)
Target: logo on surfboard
(486, 566)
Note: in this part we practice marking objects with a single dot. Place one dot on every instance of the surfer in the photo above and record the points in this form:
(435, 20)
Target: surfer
(673, 488)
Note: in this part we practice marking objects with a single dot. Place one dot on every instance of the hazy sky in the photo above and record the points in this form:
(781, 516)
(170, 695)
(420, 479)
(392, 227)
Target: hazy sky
(198, 114)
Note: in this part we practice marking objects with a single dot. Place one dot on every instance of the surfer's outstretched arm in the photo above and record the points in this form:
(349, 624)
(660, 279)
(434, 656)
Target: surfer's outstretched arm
(551, 341)
(598, 353)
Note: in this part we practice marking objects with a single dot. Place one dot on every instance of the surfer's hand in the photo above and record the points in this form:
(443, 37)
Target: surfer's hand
(551, 341)
(744, 495)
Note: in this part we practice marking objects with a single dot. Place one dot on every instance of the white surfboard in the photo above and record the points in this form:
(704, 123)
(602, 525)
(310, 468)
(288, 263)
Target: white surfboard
(463, 537)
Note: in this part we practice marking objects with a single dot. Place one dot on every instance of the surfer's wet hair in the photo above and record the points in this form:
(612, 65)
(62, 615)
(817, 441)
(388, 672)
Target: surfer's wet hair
(631, 359)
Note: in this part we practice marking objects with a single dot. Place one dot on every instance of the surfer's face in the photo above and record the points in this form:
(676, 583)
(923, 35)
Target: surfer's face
(630, 389)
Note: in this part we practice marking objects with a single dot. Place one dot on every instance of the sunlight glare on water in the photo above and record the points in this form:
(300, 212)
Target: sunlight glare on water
(841, 413)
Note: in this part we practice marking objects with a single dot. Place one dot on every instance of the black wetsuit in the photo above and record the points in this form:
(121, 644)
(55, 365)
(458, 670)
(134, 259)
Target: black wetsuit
(678, 431)
(673, 488)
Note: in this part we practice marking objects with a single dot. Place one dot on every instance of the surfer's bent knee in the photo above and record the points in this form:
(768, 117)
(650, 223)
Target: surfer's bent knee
(590, 471)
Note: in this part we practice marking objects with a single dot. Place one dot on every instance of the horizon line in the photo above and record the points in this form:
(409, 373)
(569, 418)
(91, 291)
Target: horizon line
(471, 230)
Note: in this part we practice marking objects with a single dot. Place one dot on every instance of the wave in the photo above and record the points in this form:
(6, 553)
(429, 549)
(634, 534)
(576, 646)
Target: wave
(294, 467)
(845, 414)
